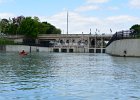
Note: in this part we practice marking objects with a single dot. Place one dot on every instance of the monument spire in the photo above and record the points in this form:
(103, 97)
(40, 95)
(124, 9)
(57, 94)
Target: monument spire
(67, 21)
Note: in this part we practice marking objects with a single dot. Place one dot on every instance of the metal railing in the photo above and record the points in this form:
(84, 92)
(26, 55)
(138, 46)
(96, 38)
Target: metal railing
(128, 34)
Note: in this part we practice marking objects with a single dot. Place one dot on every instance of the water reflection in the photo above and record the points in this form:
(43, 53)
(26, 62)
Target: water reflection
(68, 76)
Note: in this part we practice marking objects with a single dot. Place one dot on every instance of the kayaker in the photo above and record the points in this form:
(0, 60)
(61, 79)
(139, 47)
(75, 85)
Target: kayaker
(22, 52)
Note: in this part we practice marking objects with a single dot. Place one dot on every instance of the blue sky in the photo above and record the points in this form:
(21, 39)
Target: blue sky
(83, 14)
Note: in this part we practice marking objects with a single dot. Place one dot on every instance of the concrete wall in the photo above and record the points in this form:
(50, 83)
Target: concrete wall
(18, 48)
(75, 49)
(15, 48)
(126, 47)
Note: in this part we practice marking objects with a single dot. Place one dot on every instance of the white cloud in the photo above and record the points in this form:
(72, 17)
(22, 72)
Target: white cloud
(135, 3)
(122, 22)
(113, 8)
(7, 15)
(122, 18)
(87, 8)
(1, 1)
(79, 23)
(97, 1)
(5, 1)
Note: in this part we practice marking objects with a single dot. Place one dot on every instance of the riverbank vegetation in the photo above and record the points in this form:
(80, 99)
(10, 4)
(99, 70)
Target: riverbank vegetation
(28, 26)
(136, 30)
(6, 42)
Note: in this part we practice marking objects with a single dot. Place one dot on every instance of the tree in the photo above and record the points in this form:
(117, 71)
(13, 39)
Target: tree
(36, 18)
(56, 31)
(42, 28)
(29, 28)
(136, 29)
(50, 29)
(4, 25)
(12, 29)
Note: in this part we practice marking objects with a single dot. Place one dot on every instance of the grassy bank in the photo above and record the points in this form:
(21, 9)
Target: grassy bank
(6, 42)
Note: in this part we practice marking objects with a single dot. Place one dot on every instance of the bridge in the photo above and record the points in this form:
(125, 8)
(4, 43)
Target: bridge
(82, 43)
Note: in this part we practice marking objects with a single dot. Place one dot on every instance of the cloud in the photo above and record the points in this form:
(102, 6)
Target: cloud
(1, 1)
(135, 3)
(122, 22)
(87, 8)
(7, 15)
(5, 1)
(96, 1)
(113, 8)
(79, 23)
(122, 18)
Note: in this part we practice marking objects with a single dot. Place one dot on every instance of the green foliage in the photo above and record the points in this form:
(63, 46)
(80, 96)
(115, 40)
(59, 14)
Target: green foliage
(136, 29)
(42, 28)
(4, 25)
(6, 42)
(12, 29)
(49, 29)
(36, 18)
(30, 27)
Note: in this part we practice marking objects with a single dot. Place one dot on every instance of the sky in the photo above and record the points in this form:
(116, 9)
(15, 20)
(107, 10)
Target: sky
(101, 16)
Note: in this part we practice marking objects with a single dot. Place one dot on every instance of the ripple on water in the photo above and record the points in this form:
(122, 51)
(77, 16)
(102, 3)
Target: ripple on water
(68, 76)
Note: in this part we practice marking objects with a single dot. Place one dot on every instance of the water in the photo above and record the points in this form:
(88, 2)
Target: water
(60, 76)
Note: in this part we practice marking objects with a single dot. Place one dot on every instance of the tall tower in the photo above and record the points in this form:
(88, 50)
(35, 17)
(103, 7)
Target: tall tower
(67, 22)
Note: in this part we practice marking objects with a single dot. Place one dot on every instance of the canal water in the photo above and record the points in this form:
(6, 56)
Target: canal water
(68, 76)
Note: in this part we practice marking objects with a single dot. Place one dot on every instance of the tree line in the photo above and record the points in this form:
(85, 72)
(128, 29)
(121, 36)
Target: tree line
(136, 29)
(28, 26)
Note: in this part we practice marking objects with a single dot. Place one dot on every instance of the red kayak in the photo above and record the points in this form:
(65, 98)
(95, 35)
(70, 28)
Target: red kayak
(23, 53)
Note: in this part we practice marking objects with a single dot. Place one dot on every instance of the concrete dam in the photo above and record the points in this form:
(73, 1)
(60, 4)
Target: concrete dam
(68, 43)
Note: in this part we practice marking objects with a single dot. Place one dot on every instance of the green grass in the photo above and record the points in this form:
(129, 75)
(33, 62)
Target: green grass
(6, 42)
